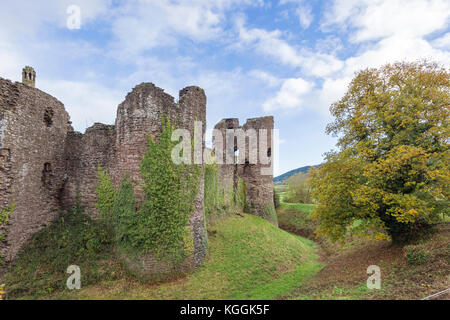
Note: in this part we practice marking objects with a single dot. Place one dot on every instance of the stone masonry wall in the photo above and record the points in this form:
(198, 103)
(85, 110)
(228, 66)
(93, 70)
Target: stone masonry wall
(120, 148)
(84, 153)
(259, 186)
(45, 165)
(33, 127)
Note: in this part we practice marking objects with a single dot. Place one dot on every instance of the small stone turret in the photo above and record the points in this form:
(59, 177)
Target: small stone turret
(29, 76)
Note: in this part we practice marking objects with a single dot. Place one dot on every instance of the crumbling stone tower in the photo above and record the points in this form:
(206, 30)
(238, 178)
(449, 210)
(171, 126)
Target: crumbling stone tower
(120, 148)
(33, 129)
(258, 177)
(29, 76)
(45, 166)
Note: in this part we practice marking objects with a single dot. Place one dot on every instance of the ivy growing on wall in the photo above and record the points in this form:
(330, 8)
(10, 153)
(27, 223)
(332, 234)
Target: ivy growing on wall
(161, 225)
(106, 195)
(124, 215)
(5, 213)
(214, 199)
(170, 190)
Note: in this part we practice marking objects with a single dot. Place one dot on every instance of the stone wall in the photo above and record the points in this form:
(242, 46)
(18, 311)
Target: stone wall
(33, 129)
(46, 167)
(258, 183)
(259, 177)
(84, 153)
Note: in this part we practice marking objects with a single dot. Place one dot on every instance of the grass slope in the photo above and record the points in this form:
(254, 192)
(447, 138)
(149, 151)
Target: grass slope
(413, 271)
(248, 258)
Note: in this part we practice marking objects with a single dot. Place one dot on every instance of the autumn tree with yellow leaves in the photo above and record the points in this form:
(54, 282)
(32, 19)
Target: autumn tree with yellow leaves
(389, 178)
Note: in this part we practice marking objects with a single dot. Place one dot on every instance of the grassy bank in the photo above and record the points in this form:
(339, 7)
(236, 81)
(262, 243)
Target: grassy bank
(248, 259)
(412, 271)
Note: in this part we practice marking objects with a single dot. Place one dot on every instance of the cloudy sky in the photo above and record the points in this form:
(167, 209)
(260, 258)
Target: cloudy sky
(287, 58)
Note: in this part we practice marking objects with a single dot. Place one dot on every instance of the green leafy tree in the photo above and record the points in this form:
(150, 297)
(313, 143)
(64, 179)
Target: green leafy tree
(106, 195)
(297, 189)
(390, 177)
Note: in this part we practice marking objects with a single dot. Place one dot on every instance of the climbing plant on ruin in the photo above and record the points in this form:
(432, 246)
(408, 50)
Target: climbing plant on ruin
(214, 200)
(106, 195)
(5, 213)
(170, 190)
(124, 215)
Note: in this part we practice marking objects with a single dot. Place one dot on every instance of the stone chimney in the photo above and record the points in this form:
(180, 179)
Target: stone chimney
(29, 76)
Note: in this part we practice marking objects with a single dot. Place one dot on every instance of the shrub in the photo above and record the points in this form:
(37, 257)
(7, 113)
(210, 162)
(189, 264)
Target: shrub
(297, 189)
(240, 195)
(214, 198)
(416, 256)
(124, 215)
(72, 239)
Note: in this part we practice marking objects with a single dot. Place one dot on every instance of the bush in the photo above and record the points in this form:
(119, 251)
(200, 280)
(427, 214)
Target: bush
(416, 256)
(73, 239)
(170, 190)
(297, 189)
(124, 215)
(214, 198)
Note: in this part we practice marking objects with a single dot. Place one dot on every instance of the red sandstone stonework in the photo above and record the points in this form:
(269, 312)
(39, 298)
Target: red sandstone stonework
(45, 165)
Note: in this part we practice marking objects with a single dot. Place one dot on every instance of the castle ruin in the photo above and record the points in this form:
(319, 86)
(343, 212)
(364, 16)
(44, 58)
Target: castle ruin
(45, 165)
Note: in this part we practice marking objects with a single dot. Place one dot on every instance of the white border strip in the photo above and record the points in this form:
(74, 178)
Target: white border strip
(437, 294)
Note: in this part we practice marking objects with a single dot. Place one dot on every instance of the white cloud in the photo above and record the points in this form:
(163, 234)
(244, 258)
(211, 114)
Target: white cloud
(290, 96)
(442, 42)
(27, 17)
(373, 20)
(305, 16)
(142, 25)
(271, 44)
(269, 79)
(86, 102)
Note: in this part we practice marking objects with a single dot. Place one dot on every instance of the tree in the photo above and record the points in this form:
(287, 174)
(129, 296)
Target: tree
(390, 176)
(297, 189)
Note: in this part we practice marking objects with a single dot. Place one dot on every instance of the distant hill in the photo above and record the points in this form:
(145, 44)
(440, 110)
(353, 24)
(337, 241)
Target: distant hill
(287, 175)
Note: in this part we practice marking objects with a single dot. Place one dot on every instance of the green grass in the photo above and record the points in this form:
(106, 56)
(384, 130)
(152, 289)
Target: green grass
(296, 218)
(303, 207)
(248, 258)
(73, 239)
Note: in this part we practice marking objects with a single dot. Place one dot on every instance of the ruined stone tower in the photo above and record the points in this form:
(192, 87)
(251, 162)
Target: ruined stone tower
(254, 164)
(33, 130)
(29, 76)
(45, 166)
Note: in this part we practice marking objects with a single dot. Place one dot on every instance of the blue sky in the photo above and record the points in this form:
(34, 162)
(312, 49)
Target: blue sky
(286, 58)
